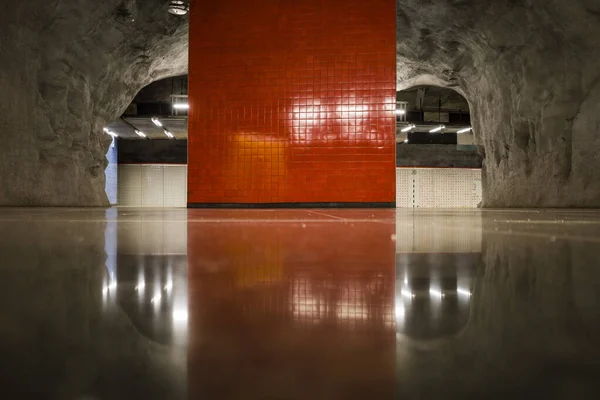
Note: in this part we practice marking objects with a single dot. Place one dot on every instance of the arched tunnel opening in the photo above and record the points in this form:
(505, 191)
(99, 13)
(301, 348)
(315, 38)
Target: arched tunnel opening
(438, 164)
(148, 153)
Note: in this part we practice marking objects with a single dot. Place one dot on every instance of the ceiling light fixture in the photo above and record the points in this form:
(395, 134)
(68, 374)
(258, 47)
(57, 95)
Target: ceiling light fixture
(178, 7)
(400, 111)
(169, 134)
(438, 129)
(181, 106)
(409, 128)
(111, 133)
(465, 130)
(140, 133)
(157, 122)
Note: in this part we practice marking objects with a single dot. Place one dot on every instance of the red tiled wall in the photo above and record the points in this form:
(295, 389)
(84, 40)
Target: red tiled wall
(292, 101)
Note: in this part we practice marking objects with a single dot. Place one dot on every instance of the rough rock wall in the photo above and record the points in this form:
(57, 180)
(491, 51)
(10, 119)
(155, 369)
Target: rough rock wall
(530, 70)
(68, 68)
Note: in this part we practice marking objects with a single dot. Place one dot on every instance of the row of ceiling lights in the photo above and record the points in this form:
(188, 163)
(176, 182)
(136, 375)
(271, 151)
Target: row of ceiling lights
(155, 121)
(141, 134)
(178, 7)
(439, 128)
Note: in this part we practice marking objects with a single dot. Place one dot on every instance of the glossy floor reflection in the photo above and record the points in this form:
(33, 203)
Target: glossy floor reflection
(298, 304)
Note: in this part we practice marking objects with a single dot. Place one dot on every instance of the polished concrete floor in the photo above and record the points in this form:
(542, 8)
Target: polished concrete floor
(299, 304)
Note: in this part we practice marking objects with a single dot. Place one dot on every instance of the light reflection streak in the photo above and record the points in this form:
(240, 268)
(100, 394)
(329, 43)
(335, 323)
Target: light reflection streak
(351, 305)
(348, 118)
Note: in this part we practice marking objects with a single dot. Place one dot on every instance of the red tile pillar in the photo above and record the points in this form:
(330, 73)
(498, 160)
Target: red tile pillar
(292, 102)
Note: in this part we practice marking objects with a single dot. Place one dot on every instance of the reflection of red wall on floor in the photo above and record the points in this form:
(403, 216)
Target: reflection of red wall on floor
(284, 307)
(292, 101)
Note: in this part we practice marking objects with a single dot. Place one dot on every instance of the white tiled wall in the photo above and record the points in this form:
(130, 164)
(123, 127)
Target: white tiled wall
(438, 187)
(152, 185)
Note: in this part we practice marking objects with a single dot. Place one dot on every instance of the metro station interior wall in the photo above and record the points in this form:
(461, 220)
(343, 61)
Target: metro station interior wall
(292, 101)
(152, 185)
(438, 187)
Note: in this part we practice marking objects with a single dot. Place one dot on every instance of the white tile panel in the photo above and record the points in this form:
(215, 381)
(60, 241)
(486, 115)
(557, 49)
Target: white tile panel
(175, 186)
(404, 187)
(438, 187)
(152, 185)
(130, 184)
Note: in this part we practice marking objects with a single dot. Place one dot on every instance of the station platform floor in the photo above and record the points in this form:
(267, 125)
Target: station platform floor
(127, 303)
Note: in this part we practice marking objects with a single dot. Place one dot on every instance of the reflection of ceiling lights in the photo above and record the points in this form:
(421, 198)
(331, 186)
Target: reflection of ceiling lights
(111, 133)
(408, 128)
(439, 128)
(156, 299)
(464, 130)
(178, 7)
(180, 315)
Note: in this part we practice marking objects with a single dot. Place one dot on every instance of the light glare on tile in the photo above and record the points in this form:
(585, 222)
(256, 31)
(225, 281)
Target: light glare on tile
(180, 315)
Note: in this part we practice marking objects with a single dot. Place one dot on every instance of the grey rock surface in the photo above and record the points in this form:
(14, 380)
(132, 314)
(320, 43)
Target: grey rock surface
(69, 68)
(530, 70)
(531, 73)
